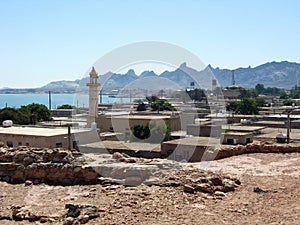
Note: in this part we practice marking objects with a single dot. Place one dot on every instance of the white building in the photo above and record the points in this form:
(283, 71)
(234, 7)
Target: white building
(46, 137)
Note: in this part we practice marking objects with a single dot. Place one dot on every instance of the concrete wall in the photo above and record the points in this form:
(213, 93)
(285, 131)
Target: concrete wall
(189, 153)
(204, 130)
(63, 112)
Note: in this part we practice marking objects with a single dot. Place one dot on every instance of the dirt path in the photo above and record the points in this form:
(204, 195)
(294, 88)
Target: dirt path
(279, 174)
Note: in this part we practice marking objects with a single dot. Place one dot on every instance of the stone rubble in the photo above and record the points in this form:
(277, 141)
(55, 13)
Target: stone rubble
(192, 181)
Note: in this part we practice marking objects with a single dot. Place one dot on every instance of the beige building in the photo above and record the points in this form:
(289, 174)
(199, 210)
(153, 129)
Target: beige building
(207, 130)
(121, 123)
(231, 92)
(46, 137)
(234, 138)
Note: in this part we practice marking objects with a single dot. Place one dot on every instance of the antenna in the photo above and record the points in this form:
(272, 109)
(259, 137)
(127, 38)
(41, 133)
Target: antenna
(233, 80)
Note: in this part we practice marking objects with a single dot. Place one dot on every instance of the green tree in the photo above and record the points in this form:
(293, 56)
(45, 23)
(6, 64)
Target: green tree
(295, 92)
(40, 112)
(161, 105)
(289, 102)
(260, 102)
(284, 95)
(152, 98)
(232, 106)
(196, 94)
(18, 116)
(245, 93)
(139, 132)
(260, 88)
(66, 106)
(246, 106)
(153, 132)
(141, 107)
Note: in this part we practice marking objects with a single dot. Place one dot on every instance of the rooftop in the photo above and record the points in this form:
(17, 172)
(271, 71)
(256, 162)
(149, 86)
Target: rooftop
(38, 131)
(134, 146)
(238, 133)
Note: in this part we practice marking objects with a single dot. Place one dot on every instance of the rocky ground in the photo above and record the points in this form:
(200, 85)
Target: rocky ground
(246, 189)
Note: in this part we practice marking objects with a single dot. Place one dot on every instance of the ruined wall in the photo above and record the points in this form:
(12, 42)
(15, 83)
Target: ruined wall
(43, 165)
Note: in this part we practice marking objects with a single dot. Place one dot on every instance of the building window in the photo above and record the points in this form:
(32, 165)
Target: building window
(20, 144)
(9, 144)
(27, 144)
(58, 145)
(230, 141)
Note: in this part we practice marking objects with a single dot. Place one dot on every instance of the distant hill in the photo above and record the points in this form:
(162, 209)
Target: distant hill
(273, 74)
(65, 86)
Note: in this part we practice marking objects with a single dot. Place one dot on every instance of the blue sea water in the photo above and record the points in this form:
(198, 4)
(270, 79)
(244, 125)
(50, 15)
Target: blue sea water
(78, 100)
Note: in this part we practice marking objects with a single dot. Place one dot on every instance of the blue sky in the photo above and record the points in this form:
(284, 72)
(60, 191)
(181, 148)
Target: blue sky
(47, 40)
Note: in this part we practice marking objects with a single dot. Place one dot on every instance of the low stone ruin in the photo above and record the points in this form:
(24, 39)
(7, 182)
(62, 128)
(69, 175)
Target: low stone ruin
(43, 165)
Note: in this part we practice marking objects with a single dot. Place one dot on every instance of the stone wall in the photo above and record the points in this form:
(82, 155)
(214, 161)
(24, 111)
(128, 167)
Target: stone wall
(43, 165)
(259, 147)
(202, 152)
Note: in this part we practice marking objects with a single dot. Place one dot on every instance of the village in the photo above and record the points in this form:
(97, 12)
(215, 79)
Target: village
(187, 130)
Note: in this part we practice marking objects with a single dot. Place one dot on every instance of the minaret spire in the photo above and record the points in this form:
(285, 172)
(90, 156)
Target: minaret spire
(93, 95)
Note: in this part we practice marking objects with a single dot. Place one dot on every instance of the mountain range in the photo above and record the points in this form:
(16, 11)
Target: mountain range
(272, 74)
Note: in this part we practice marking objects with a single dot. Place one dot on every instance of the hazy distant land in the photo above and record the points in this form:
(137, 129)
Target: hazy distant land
(274, 74)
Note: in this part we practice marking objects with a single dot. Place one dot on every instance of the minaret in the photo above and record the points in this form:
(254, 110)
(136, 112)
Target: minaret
(233, 80)
(93, 95)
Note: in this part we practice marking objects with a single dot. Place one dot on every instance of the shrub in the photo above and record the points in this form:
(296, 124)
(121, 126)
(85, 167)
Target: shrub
(141, 107)
(153, 132)
(66, 106)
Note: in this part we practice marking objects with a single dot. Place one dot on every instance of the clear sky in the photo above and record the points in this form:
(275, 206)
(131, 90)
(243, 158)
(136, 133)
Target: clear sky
(48, 40)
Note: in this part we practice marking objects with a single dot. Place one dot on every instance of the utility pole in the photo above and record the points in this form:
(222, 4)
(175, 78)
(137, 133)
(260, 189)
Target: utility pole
(100, 93)
(288, 126)
(69, 137)
(50, 100)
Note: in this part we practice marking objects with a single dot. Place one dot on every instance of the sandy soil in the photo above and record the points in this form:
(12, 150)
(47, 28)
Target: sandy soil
(279, 174)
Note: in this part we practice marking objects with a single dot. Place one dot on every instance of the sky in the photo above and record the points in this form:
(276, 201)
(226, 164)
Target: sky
(49, 40)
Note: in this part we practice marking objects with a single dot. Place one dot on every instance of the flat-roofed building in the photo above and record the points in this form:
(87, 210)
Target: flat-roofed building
(46, 137)
(234, 138)
(120, 123)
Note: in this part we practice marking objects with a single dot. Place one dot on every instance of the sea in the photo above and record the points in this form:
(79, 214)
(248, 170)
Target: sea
(77, 100)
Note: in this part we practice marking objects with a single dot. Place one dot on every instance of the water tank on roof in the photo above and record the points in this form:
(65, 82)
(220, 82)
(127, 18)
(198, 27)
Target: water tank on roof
(281, 138)
(7, 123)
(93, 126)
